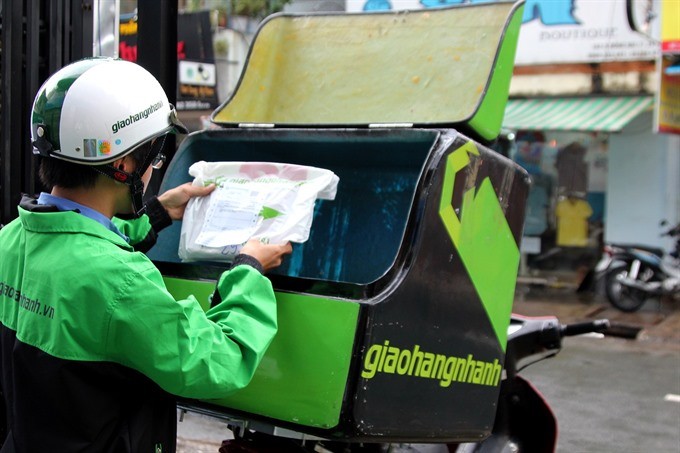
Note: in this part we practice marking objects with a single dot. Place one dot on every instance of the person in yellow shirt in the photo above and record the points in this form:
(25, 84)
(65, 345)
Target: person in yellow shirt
(572, 222)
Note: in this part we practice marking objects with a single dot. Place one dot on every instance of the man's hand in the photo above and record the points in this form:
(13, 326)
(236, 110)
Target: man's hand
(269, 255)
(175, 200)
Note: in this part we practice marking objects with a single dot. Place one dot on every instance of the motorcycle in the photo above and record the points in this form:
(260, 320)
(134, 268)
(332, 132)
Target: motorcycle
(612, 253)
(524, 420)
(636, 273)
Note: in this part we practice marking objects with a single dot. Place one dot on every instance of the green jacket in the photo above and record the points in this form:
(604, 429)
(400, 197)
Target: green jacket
(81, 310)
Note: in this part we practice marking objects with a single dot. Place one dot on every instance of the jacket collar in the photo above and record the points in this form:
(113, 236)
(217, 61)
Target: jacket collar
(42, 218)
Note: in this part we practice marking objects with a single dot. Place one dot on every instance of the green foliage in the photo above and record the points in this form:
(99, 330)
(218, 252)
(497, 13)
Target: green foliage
(256, 8)
(221, 47)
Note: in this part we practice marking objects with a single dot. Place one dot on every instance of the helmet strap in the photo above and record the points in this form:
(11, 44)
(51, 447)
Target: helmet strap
(41, 144)
(154, 150)
(136, 194)
(132, 180)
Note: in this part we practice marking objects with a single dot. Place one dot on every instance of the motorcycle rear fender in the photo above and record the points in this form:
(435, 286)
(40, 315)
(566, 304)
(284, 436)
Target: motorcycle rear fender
(524, 417)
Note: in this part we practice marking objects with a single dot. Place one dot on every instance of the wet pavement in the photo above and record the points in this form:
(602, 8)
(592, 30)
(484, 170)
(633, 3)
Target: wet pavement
(656, 321)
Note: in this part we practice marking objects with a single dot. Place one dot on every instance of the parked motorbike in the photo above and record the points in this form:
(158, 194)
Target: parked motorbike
(634, 273)
(524, 421)
(612, 255)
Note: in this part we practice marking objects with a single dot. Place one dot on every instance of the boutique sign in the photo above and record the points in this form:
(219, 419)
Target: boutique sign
(557, 31)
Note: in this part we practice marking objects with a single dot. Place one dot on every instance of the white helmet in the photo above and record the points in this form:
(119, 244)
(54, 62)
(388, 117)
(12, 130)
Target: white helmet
(97, 110)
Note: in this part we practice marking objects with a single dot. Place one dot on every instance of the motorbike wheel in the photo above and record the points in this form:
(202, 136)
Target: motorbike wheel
(623, 297)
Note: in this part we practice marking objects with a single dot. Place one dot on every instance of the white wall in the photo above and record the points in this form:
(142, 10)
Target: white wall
(230, 66)
(643, 185)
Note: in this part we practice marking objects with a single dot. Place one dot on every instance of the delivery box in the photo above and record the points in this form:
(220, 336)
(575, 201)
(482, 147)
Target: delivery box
(393, 314)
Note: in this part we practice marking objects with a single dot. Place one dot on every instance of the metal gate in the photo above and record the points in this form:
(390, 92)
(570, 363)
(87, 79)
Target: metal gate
(37, 37)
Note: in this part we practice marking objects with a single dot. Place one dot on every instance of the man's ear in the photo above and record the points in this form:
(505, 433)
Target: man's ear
(125, 163)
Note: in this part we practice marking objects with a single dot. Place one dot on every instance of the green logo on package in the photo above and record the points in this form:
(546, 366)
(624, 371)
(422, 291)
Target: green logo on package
(484, 241)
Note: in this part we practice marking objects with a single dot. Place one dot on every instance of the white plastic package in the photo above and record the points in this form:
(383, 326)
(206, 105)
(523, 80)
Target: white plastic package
(272, 202)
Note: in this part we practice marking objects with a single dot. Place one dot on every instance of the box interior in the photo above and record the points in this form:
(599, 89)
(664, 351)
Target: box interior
(354, 238)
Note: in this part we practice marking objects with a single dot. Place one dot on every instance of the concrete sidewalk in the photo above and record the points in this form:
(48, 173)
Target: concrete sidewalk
(654, 322)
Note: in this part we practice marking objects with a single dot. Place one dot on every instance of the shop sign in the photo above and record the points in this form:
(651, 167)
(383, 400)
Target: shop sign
(197, 75)
(668, 98)
(668, 111)
(670, 26)
(557, 31)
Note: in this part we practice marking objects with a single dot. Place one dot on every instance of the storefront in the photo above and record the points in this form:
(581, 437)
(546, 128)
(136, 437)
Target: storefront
(565, 144)
(582, 122)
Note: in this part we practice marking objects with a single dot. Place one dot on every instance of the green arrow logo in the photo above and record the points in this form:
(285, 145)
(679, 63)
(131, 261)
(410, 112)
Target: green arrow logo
(269, 213)
(484, 241)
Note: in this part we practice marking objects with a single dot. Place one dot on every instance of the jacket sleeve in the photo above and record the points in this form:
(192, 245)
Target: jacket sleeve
(186, 351)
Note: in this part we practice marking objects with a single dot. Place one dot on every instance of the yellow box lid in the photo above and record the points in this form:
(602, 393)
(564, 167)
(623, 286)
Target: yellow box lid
(438, 67)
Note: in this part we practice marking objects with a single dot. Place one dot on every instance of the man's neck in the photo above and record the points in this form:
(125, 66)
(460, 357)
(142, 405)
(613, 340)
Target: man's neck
(99, 200)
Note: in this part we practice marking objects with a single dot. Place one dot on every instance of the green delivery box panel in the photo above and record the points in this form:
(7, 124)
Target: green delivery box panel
(393, 314)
